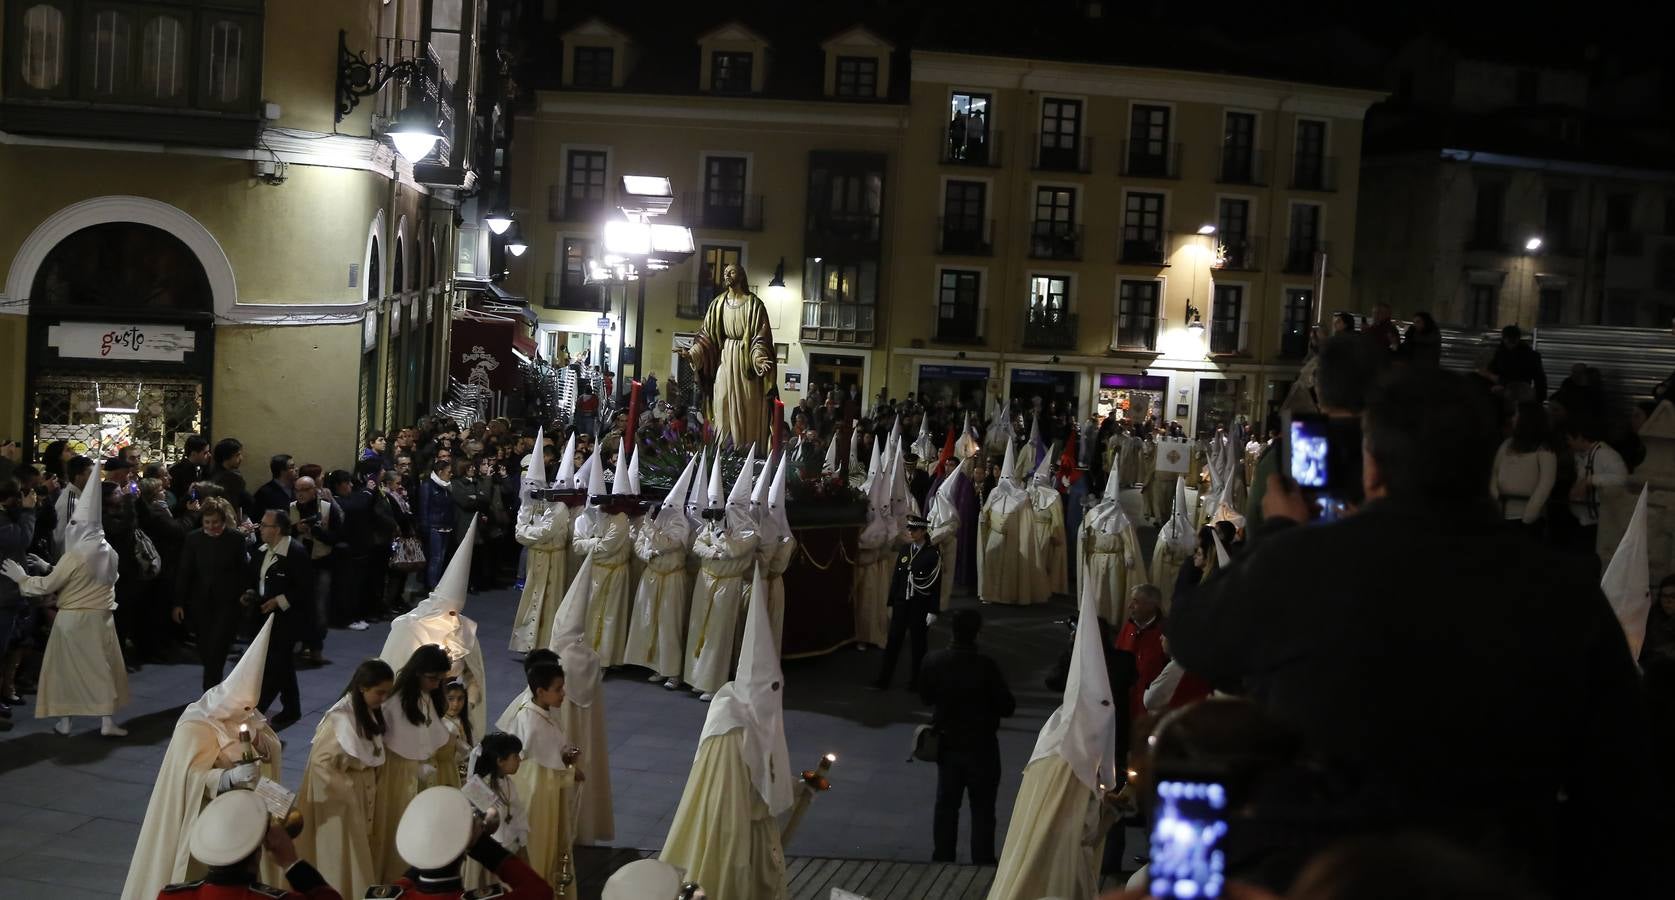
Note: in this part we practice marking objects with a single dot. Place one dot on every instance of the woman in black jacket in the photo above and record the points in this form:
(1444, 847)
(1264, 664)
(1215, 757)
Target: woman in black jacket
(209, 578)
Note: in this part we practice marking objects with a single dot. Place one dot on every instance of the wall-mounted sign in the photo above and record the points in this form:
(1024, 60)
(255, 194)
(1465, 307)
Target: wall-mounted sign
(128, 343)
(1134, 382)
(955, 373)
(793, 380)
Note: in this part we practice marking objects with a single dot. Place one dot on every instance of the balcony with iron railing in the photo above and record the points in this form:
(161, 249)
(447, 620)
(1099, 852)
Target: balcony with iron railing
(1300, 256)
(959, 148)
(1050, 156)
(838, 322)
(1239, 253)
(692, 298)
(574, 294)
(1151, 159)
(1314, 173)
(1227, 338)
(1049, 329)
(1055, 240)
(965, 236)
(429, 87)
(1242, 165)
(729, 212)
(966, 327)
(563, 207)
(846, 227)
(1144, 250)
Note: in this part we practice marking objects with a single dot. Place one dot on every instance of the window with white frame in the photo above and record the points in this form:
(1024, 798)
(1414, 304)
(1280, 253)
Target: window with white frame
(1137, 313)
(959, 305)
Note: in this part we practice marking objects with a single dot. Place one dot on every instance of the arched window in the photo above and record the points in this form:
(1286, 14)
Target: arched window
(112, 51)
(163, 60)
(43, 47)
(398, 276)
(123, 265)
(226, 63)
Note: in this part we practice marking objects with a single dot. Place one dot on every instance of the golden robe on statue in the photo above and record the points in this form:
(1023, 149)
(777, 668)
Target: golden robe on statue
(339, 791)
(734, 352)
(723, 834)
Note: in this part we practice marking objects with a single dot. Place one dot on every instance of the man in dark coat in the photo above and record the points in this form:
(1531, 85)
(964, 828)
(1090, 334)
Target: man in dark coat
(969, 696)
(1514, 724)
(278, 493)
(209, 579)
(915, 592)
(278, 580)
(1517, 368)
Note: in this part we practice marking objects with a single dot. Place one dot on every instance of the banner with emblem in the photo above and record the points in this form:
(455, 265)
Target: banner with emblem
(1173, 455)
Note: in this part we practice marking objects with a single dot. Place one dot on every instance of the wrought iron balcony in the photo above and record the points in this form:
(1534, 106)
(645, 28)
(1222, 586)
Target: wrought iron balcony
(958, 148)
(1144, 251)
(561, 207)
(1314, 173)
(1239, 253)
(1151, 159)
(732, 212)
(966, 327)
(1050, 329)
(1227, 338)
(1300, 257)
(572, 293)
(1055, 240)
(837, 322)
(1242, 165)
(1050, 157)
(965, 236)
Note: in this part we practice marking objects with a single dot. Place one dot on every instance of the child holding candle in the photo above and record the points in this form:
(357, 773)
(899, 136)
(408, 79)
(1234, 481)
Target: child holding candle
(546, 780)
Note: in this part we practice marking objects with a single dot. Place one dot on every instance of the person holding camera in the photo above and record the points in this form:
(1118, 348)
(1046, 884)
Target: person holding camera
(969, 696)
(1543, 762)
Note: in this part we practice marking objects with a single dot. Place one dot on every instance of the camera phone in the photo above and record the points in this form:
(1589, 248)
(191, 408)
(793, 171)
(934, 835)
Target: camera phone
(1188, 840)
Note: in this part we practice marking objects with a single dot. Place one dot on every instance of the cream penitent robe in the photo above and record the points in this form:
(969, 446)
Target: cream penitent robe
(190, 772)
(1048, 563)
(338, 793)
(1111, 565)
(546, 532)
(725, 562)
(409, 750)
(610, 598)
(874, 563)
(82, 673)
(1055, 839)
(512, 834)
(723, 834)
(1005, 541)
(547, 787)
(775, 560)
(658, 630)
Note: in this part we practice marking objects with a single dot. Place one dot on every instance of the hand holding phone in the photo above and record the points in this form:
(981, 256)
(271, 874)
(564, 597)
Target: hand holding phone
(1189, 839)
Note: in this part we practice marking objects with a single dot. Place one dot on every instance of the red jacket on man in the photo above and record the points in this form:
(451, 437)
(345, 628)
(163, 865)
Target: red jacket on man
(518, 880)
(1146, 643)
(309, 884)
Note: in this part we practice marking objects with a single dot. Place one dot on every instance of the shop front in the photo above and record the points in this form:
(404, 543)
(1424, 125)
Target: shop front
(1221, 402)
(120, 343)
(1132, 397)
(1061, 386)
(966, 385)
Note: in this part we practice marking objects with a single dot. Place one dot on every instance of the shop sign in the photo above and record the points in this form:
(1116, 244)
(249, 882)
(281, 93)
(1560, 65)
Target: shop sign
(1041, 376)
(122, 342)
(793, 380)
(1134, 382)
(954, 373)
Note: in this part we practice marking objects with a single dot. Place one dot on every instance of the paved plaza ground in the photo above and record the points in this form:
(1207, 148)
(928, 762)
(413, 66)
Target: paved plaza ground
(70, 808)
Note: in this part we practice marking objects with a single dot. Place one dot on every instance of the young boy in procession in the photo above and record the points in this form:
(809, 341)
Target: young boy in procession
(547, 780)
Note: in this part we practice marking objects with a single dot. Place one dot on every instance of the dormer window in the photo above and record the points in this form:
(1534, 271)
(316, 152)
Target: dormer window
(592, 67)
(857, 77)
(857, 65)
(730, 72)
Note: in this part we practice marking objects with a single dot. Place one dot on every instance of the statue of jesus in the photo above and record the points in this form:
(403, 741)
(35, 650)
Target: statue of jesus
(733, 352)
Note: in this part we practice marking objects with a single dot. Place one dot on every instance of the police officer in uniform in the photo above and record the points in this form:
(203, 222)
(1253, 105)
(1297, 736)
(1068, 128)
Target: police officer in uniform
(437, 832)
(228, 837)
(915, 591)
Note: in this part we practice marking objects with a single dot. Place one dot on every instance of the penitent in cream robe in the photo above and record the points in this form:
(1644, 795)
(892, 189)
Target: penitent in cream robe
(722, 833)
(82, 673)
(546, 533)
(657, 633)
(775, 561)
(410, 756)
(1111, 566)
(339, 791)
(610, 598)
(547, 787)
(725, 562)
(1054, 842)
(1005, 542)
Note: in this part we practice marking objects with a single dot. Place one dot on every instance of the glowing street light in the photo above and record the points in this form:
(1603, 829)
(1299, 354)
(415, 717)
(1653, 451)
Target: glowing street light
(415, 133)
(1533, 244)
(1206, 228)
(498, 221)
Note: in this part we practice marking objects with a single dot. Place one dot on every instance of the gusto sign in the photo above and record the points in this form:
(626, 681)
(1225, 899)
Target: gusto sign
(127, 342)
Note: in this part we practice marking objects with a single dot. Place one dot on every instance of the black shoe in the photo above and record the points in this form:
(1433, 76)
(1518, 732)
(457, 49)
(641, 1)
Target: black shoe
(284, 720)
(5, 711)
(14, 699)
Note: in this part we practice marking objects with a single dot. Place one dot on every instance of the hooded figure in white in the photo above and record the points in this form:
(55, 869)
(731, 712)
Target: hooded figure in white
(725, 833)
(922, 445)
(1111, 561)
(657, 628)
(726, 550)
(582, 714)
(608, 543)
(82, 673)
(776, 547)
(1057, 833)
(204, 758)
(833, 464)
(1049, 555)
(1628, 578)
(1005, 540)
(945, 529)
(1000, 434)
(589, 481)
(875, 557)
(544, 528)
(1176, 541)
(441, 620)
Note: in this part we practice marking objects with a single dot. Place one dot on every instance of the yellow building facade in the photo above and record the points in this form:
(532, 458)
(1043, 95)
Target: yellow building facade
(195, 242)
(990, 228)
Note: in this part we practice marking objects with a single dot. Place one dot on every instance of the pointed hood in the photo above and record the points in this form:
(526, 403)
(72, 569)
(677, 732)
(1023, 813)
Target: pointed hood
(901, 502)
(1008, 464)
(450, 592)
(672, 515)
(634, 473)
(832, 465)
(1178, 532)
(1222, 559)
(945, 507)
(566, 479)
(696, 493)
(875, 465)
(738, 499)
(1107, 516)
(535, 479)
(619, 481)
(1628, 579)
(759, 491)
(922, 445)
(87, 519)
(776, 499)
(1113, 481)
(717, 486)
(967, 446)
(233, 702)
(569, 640)
(596, 475)
(755, 701)
(1043, 475)
(1035, 441)
(1083, 731)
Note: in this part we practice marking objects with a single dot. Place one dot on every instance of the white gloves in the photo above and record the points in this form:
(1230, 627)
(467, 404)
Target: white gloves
(12, 570)
(427, 774)
(243, 775)
(1128, 560)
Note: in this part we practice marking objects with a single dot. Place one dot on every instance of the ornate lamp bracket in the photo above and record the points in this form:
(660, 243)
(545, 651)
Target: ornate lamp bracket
(357, 77)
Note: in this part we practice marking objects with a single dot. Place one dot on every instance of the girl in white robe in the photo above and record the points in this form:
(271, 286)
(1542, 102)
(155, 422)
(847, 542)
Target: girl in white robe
(413, 735)
(491, 785)
(340, 786)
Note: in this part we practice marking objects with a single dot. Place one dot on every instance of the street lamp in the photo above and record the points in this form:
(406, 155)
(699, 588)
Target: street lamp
(1206, 228)
(778, 281)
(1533, 244)
(415, 133)
(515, 244)
(635, 246)
(498, 220)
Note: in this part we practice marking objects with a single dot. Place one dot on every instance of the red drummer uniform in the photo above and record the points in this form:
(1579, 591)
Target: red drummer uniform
(240, 885)
(518, 881)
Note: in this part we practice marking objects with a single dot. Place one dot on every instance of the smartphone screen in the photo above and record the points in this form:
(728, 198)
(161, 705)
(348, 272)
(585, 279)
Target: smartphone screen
(1310, 452)
(1188, 843)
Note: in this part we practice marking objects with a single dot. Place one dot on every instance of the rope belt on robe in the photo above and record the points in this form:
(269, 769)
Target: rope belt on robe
(599, 617)
(704, 632)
